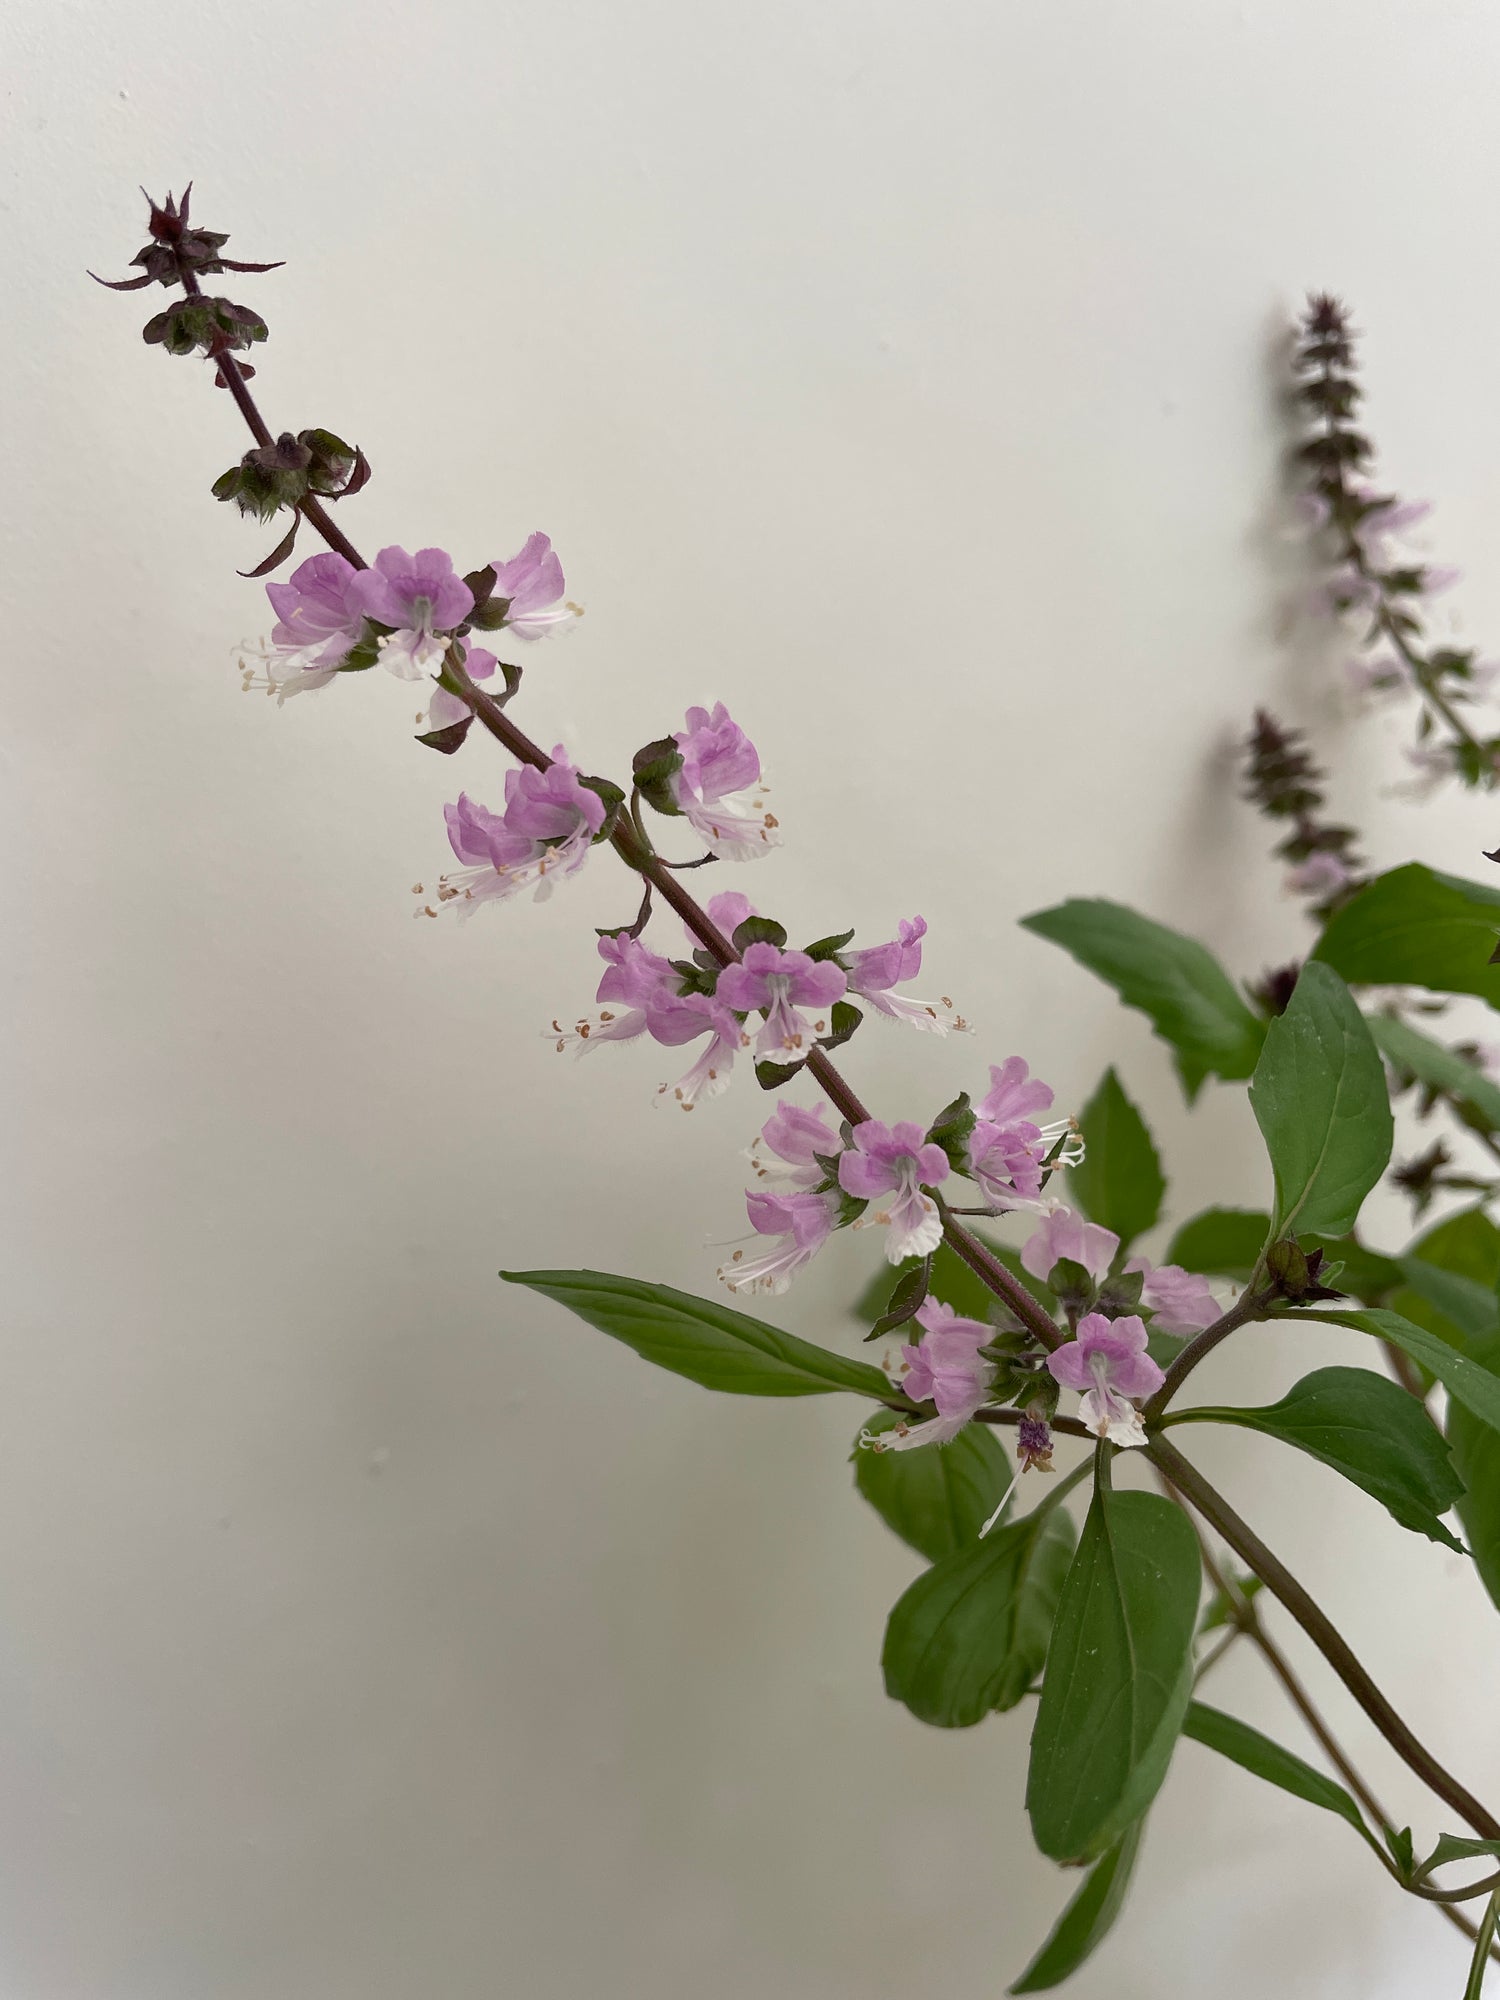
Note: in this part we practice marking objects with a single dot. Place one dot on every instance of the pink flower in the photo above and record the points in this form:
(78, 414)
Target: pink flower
(1109, 1363)
(1062, 1234)
(445, 709)
(801, 1223)
(718, 786)
(892, 1164)
(635, 980)
(1006, 1151)
(317, 626)
(1347, 589)
(1321, 875)
(531, 585)
(779, 984)
(790, 1142)
(421, 599)
(545, 832)
(873, 972)
(1386, 674)
(683, 1018)
(1013, 1093)
(728, 910)
(945, 1368)
(1005, 1162)
(1179, 1301)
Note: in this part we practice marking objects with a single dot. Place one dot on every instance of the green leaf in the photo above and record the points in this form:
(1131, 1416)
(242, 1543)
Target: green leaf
(1479, 1964)
(1119, 1673)
(1221, 1242)
(708, 1343)
(1454, 1847)
(971, 1633)
(1476, 1387)
(1413, 927)
(1371, 1431)
(1180, 986)
(1476, 1459)
(936, 1497)
(1444, 1069)
(1469, 1307)
(1257, 1754)
(1320, 1100)
(1119, 1184)
(1088, 1918)
(1467, 1243)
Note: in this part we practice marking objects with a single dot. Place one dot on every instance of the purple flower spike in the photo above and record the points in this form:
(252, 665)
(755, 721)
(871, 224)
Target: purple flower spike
(890, 1165)
(779, 984)
(1108, 1362)
(422, 599)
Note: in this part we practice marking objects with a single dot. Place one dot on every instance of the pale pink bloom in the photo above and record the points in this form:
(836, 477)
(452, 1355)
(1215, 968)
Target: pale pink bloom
(636, 979)
(945, 1368)
(873, 972)
(445, 709)
(789, 1143)
(1385, 674)
(718, 786)
(1347, 589)
(1063, 1234)
(318, 624)
(531, 587)
(1013, 1093)
(421, 598)
(1487, 1060)
(1438, 577)
(1005, 1162)
(1108, 1362)
(1321, 875)
(800, 1222)
(889, 1165)
(728, 910)
(1179, 1301)
(683, 1018)
(545, 833)
(778, 984)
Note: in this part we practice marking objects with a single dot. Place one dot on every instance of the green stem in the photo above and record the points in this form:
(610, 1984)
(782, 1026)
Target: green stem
(1251, 1305)
(1279, 1580)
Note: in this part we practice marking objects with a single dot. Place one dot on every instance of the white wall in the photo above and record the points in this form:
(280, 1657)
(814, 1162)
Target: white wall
(906, 376)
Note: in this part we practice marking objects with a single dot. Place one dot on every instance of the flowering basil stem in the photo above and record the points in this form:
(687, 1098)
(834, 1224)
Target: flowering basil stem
(1003, 1355)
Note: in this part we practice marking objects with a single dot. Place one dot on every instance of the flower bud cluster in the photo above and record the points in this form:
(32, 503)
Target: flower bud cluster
(1286, 783)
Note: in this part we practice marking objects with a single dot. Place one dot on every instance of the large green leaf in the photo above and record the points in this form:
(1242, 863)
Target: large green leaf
(1088, 1918)
(935, 1497)
(1221, 1242)
(1371, 1431)
(971, 1633)
(1413, 927)
(1476, 1387)
(1257, 1754)
(706, 1342)
(1467, 1243)
(1119, 1674)
(1444, 1069)
(1180, 986)
(1464, 1307)
(1119, 1183)
(1476, 1457)
(1320, 1100)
